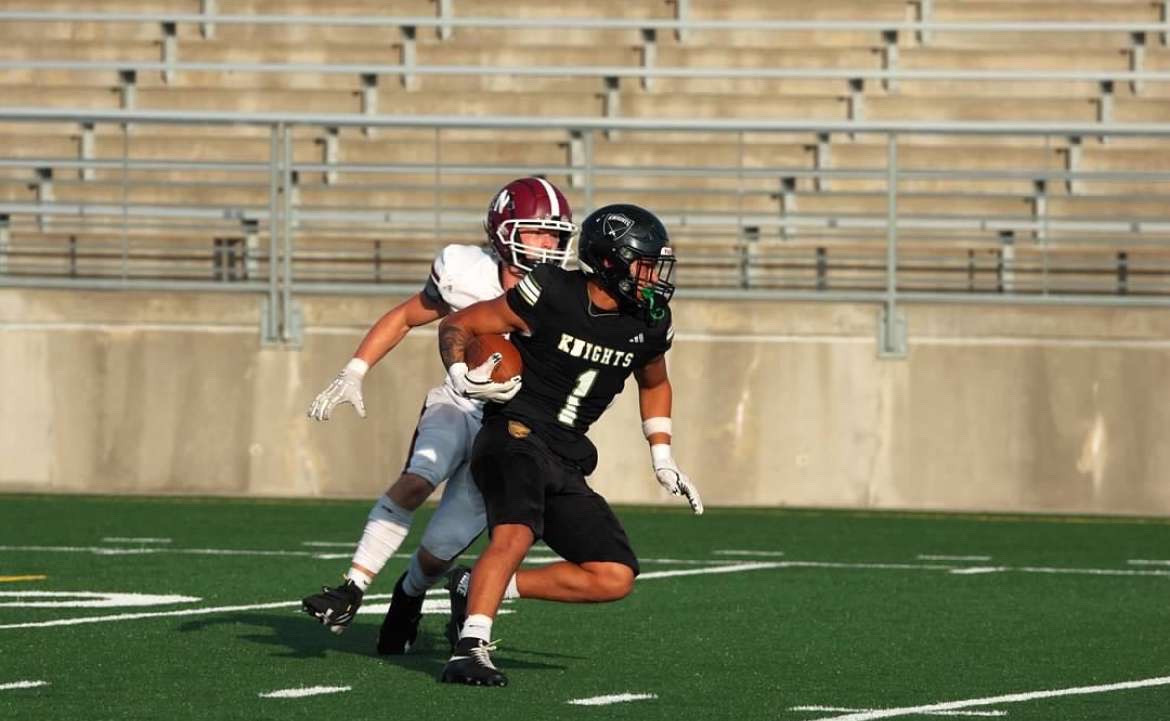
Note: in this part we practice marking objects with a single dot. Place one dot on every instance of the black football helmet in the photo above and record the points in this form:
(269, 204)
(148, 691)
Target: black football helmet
(626, 249)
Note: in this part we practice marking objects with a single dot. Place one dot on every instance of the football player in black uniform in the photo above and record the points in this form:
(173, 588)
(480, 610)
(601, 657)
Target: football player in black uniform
(580, 335)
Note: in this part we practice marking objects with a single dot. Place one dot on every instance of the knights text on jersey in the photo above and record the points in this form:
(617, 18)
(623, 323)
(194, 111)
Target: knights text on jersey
(462, 275)
(576, 357)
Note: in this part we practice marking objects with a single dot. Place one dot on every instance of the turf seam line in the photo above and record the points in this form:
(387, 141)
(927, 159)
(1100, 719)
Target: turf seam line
(990, 700)
(844, 709)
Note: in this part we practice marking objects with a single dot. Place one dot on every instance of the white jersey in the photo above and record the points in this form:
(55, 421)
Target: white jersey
(463, 275)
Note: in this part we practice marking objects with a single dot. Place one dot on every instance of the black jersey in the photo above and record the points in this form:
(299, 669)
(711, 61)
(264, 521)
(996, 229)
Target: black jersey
(576, 358)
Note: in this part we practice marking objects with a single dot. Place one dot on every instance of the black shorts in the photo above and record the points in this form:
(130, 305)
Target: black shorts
(523, 481)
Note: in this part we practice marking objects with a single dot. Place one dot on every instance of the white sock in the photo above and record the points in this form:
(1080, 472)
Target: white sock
(360, 579)
(417, 583)
(386, 529)
(478, 626)
(511, 591)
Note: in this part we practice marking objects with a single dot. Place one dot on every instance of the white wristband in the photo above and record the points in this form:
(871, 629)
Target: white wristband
(357, 367)
(661, 455)
(658, 424)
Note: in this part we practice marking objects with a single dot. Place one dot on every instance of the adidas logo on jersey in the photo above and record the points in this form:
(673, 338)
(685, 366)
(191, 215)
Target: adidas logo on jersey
(638, 339)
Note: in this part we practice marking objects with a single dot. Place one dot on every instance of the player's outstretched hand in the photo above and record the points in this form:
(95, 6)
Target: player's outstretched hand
(675, 481)
(477, 384)
(345, 388)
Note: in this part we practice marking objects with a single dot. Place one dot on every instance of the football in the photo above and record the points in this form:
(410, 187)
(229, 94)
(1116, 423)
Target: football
(482, 346)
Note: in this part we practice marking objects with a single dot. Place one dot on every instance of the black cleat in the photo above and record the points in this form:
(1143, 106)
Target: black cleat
(471, 664)
(458, 583)
(400, 627)
(334, 607)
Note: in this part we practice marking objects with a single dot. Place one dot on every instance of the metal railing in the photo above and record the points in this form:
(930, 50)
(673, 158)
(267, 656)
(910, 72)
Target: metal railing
(357, 70)
(755, 240)
(886, 34)
(682, 22)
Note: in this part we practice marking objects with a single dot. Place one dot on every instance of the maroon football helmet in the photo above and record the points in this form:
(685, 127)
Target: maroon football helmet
(530, 203)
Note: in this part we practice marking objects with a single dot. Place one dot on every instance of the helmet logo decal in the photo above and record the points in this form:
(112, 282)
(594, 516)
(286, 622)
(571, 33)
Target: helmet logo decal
(502, 201)
(616, 225)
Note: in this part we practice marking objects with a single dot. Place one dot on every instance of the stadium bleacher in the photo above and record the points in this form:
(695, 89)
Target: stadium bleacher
(800, 210)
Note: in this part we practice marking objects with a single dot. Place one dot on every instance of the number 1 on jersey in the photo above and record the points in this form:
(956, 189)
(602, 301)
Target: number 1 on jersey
(568, 414)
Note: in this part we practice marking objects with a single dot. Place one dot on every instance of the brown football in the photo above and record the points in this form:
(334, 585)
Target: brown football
(482, 346)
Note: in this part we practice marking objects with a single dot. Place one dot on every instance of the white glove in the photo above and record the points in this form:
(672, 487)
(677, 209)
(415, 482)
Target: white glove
(672, 479)
(477, 383)
(345, 388)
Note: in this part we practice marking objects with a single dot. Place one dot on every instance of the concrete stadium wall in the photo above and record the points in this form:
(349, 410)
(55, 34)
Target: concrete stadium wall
(1009, 409)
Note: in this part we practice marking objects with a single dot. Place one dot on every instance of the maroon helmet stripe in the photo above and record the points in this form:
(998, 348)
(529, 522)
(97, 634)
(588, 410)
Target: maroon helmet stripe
(553, 203)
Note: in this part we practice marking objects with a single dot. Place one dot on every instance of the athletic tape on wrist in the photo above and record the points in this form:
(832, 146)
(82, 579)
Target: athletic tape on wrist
(659, 424)
(662, 456)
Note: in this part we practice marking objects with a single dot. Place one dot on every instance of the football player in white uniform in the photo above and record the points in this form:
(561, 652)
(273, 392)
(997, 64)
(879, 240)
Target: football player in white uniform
(528, 222)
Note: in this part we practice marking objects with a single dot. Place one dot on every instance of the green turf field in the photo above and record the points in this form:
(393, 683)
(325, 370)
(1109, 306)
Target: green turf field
(778, 615)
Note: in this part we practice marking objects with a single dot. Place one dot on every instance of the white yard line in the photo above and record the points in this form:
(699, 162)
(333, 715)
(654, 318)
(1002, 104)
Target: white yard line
(89, 599)
(302, 692)
(736, 552)
(265, 553)
(1085, 571)
(22, 684)
(330, 544)
(118, 551)
(929, 557)
(866, 710)
(998, 569)
(1147, 562)
(718, 567)
(657, 561)
(294, 604)
(613, 698)
(155, 614)
(119, 539)
(869, 715)
(712, 569)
